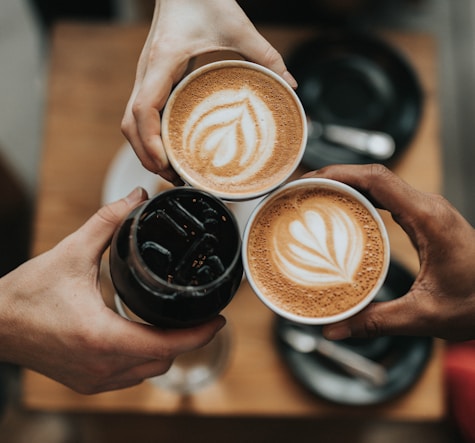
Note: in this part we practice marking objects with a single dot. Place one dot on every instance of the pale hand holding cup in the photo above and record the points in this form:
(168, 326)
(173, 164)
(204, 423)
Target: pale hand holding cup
(180, 31)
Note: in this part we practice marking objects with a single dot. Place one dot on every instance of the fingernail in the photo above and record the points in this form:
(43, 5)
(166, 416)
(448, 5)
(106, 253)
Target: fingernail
(136, 196)
(339, 332)
(289, 78)
(312, 173)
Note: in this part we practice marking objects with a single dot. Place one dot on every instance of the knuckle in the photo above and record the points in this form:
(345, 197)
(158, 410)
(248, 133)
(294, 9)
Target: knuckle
(138, 107)
(373, 325)
(272, 57)
(154, 165)
(166, 354)
(111, 214)
(125, 126)
(372, 329)
(379, 171)
(370, 177)
(435, 213)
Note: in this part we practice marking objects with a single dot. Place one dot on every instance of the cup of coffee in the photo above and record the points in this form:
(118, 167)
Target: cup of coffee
(235, 129)
(315, 251)
(175, 261)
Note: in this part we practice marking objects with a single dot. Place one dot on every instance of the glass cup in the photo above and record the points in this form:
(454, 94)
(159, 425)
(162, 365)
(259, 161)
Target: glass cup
(315, 251)
(175, 262)
(194, 370)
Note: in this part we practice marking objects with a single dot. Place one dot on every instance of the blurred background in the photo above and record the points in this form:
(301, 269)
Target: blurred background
(25, 30)
(25, 27)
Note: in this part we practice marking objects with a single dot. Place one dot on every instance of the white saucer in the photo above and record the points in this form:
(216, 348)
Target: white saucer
(126, 173)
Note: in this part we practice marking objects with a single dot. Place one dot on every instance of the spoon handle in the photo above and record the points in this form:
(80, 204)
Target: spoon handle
(378, 145)
(353, 362)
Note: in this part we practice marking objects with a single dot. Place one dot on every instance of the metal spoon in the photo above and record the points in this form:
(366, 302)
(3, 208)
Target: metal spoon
(352, 362)
(377, 145)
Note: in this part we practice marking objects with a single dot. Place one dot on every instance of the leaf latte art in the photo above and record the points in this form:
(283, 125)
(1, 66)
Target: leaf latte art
(319, 245)
(233, 129)
(230, 131)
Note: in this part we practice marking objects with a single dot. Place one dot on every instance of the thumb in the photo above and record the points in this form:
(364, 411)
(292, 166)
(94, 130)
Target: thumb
(395, 317)
(408, 206)
(98, 230)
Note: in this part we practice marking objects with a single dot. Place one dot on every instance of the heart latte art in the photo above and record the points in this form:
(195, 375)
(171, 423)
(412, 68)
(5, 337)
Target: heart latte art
(314, 252)
(234, 131)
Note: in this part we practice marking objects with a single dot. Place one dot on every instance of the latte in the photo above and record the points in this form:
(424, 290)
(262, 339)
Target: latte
(234, 129)
(316, 251)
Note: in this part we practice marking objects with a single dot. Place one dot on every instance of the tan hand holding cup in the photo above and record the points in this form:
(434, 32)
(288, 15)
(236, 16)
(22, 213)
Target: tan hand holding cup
(315, 251)
(234, 129)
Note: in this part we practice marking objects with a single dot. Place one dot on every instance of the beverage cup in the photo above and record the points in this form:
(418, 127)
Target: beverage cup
(175, 261)
(235, 129)
(192, 370)
(315, 251)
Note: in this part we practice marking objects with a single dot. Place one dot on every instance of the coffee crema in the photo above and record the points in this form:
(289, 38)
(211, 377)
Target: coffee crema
(315, 252)
(234, 130)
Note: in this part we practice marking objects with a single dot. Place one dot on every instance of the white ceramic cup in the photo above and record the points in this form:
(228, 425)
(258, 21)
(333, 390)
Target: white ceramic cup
(312, 263)
(235, 129)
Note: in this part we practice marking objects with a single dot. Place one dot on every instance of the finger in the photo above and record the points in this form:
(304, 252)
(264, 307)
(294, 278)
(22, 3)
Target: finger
(113, 384)
(153, 368)
(135, 375)
(150, 343)
(98, 230)
(247, 41)
(256, 48)
(402, 316)
(385, 189)
(149, 162)
(146, 123)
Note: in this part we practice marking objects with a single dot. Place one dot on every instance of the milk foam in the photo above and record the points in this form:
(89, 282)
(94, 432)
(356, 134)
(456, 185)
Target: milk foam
(314, 252)
(233, 132)
(318, 245)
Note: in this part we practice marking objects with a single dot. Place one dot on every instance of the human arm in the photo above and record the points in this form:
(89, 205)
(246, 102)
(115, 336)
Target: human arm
(53, 318)
(180, 31)
(441, 302)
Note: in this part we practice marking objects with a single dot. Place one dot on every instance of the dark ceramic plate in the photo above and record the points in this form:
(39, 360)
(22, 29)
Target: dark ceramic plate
(358, 80)
(405, 358)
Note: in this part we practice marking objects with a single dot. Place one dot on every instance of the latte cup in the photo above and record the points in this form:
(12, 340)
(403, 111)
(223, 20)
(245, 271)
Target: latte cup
(234, 129)
(315, 251)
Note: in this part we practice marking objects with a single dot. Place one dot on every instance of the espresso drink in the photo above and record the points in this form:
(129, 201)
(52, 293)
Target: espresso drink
(234, 129)
(315, 251)
(176, 260)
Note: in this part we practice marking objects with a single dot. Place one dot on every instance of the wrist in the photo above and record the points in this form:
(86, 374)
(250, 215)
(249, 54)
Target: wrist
(8, 325)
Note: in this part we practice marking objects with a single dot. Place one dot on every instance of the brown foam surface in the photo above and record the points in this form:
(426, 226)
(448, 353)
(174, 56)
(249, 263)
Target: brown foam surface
(256, 128)
(321, 289)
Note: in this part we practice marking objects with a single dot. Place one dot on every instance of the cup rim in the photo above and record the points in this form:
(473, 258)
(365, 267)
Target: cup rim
(185, 176)
(329, 184)
(151, 276)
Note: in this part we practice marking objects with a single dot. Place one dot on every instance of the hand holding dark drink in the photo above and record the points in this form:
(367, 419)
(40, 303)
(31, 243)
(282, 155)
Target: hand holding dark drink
(175, 260)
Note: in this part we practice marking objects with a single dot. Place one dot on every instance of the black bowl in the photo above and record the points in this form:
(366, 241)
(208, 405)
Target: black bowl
(358, 80)
(405, 358)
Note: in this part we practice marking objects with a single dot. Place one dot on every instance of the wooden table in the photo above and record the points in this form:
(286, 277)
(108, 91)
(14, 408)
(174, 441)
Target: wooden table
(91, 75)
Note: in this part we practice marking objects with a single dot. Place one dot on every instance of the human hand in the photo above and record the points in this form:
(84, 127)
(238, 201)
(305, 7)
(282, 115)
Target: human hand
(441, 302)
(53, 318)
(181, 30)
